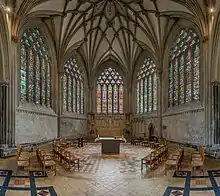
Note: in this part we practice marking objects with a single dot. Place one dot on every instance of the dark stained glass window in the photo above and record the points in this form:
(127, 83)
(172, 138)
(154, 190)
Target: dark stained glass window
(184, 73)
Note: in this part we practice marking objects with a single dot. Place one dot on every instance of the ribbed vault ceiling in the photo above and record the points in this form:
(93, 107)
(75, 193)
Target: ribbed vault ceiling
(111, 29)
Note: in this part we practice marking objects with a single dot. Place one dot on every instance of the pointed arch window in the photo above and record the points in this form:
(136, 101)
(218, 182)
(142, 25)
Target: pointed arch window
(147, 86)
(184, 74)
(110, 92)
(35, 71)
(73, 87)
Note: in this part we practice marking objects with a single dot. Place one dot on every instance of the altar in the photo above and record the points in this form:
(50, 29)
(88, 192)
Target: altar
(110, 145)
(109, 129)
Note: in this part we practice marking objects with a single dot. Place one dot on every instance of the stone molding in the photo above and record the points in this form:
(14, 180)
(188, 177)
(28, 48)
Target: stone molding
(74, 117)
(34, 112)
(184, 112)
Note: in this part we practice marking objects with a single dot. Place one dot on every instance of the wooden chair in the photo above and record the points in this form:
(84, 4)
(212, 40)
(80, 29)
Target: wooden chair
(198, 161)
(48, 162)
(46, 159)
(149, 160)
(174, 161)
(21, 160)
(70, 160)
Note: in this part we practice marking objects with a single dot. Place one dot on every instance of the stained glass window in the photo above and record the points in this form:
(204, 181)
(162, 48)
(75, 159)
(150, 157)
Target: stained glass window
(35, 78)
(110, 92)
(147, 87)
(184, 74)
(73, 87)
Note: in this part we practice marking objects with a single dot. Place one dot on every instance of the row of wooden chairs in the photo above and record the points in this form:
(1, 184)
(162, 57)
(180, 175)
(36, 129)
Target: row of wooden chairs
(197, 159)
(65, 157)
(174, 160)
(46, 159)
(22, 158)
(155, 157)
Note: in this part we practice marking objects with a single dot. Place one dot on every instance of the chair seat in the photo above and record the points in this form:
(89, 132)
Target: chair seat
(197, 159)
(46, 153)
(197, 163)
(50, 163)
(23, 163)
(47, 157)
(73, 159)
(170, 162)
(23, 157)
(173, 157)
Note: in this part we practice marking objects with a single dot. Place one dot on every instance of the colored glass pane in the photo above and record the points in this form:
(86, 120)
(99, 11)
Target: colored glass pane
(145, 95)
(104, 98)
(181, 81)
(43, 82)
(196, 75)
(110, 94)
(37, 79)
(155, 92)
(188, 76)
(141, 96)
(121, 98)
(171, 84)
(64, 93)
(175, 82)
(74, 94)
(116, 95)
(150, 93)
(137, 98)
(31, 81)
(98, 98)
(78, 96)
(69, 98)
(23, 72)
(48, 81)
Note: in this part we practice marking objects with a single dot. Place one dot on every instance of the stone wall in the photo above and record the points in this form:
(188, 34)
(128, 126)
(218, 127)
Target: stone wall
(185, 127)
(35, 124)
(73, 126)
(140, 125)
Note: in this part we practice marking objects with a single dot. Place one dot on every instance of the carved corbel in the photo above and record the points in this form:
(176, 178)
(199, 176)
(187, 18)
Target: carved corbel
(14, 38)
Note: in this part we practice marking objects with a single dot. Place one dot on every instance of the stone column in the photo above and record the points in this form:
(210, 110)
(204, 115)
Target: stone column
(13, 90)
(160, 102)
(4, 126)
(206, 92)
(59, 103)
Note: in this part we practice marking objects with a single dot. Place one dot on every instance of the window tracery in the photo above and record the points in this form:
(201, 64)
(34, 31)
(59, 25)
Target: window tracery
(110, 92)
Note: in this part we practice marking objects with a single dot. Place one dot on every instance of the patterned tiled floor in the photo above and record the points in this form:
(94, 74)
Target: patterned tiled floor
(110, 175)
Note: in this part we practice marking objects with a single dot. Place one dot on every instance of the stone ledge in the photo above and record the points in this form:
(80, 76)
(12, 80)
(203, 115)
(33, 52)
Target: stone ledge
(28, 147)
(184, 112)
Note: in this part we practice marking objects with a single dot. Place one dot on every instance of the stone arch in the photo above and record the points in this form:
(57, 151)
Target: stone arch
(52, 52)
(95, 76)
(165, 58)
(4, 48)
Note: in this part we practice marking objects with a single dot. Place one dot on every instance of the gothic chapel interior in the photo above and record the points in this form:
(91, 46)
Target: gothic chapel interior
(117, 89)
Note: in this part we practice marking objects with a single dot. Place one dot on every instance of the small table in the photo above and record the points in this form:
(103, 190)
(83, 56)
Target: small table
(110, 145)
(80, 142)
